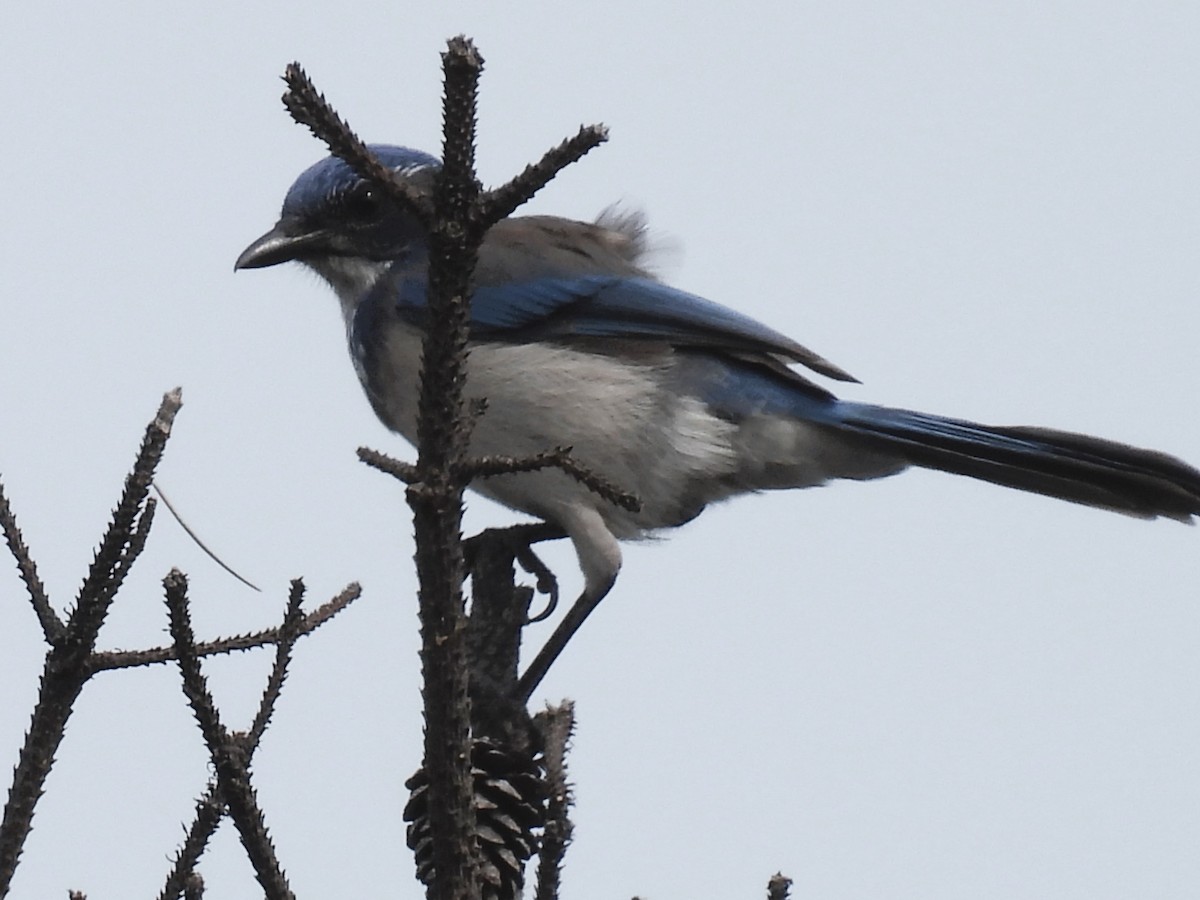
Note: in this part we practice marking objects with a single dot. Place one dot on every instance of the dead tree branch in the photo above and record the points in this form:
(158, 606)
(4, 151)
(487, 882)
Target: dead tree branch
(68, 663)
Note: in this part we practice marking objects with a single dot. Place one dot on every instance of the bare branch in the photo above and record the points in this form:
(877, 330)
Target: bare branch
(195, 687)
(398, 469)
(68, 663)
(137, 540)
(209, 812)
(558, 458)
(289, 633)
(52, 625)
(503, 201)
(228, 753)
(557, 724)
(442, 425)
(124, 659)
(120, 545)
(62, 679)
(210, 809)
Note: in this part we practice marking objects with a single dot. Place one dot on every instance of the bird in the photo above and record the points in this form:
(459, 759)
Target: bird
(683, 402)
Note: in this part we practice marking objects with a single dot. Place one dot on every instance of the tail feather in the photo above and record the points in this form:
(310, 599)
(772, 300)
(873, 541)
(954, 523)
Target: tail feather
(1075, 467)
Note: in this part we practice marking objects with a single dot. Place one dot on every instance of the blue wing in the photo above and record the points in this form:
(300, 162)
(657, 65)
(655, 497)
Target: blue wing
(638, 308)
(547, 279)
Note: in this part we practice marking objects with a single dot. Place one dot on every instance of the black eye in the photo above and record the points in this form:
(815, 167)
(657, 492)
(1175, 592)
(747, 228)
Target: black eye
(364, 205)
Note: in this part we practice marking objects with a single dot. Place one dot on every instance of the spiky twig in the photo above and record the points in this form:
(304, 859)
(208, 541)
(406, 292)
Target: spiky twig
(503, 201)
(289, 633)
(558, 458)
(211, 807)
(398, 469)
(126, 535)
(52, 625)
(209, 812)
(124, 659)
(229, 752)
(492, 466)
(557, 724)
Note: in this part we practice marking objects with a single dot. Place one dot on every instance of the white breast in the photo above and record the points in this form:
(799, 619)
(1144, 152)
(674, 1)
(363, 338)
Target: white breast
(612, 413)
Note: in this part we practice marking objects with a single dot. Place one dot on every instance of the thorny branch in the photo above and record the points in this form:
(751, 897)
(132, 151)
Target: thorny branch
(72, 659)
(209, 812)
(398, 469)
(68, 661)
(213, 805)
(557, 725)
(122, 659)
(558, 458)
(228, 751)
(126, 535)
(505, 200)
(52, 625)
(492, 466)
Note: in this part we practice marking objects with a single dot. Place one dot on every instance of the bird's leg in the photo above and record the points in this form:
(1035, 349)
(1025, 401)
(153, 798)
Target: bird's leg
(600, 561)
(579, 611)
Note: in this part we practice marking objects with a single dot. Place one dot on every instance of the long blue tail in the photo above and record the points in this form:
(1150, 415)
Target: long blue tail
(1060, 464)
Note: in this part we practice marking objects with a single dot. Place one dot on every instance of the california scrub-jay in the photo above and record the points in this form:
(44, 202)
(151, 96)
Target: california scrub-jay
(666, 395)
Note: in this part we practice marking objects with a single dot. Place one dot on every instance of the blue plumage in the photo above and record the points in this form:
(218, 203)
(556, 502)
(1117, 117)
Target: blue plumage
(601, 306)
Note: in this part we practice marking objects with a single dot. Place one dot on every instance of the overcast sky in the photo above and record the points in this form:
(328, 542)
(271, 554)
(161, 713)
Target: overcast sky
(923, 687)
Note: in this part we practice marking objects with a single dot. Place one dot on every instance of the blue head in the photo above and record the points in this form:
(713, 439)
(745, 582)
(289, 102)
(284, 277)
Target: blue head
(339, 225)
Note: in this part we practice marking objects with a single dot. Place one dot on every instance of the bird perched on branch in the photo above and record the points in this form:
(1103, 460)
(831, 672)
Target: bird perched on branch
(662, 393)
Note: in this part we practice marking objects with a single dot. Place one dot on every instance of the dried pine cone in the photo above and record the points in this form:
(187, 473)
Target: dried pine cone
(510, 808)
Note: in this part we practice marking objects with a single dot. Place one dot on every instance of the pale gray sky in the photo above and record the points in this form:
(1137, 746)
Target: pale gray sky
(924, 687)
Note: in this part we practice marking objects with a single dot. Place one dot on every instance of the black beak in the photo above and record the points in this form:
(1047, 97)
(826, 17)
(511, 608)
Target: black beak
(279, 246)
